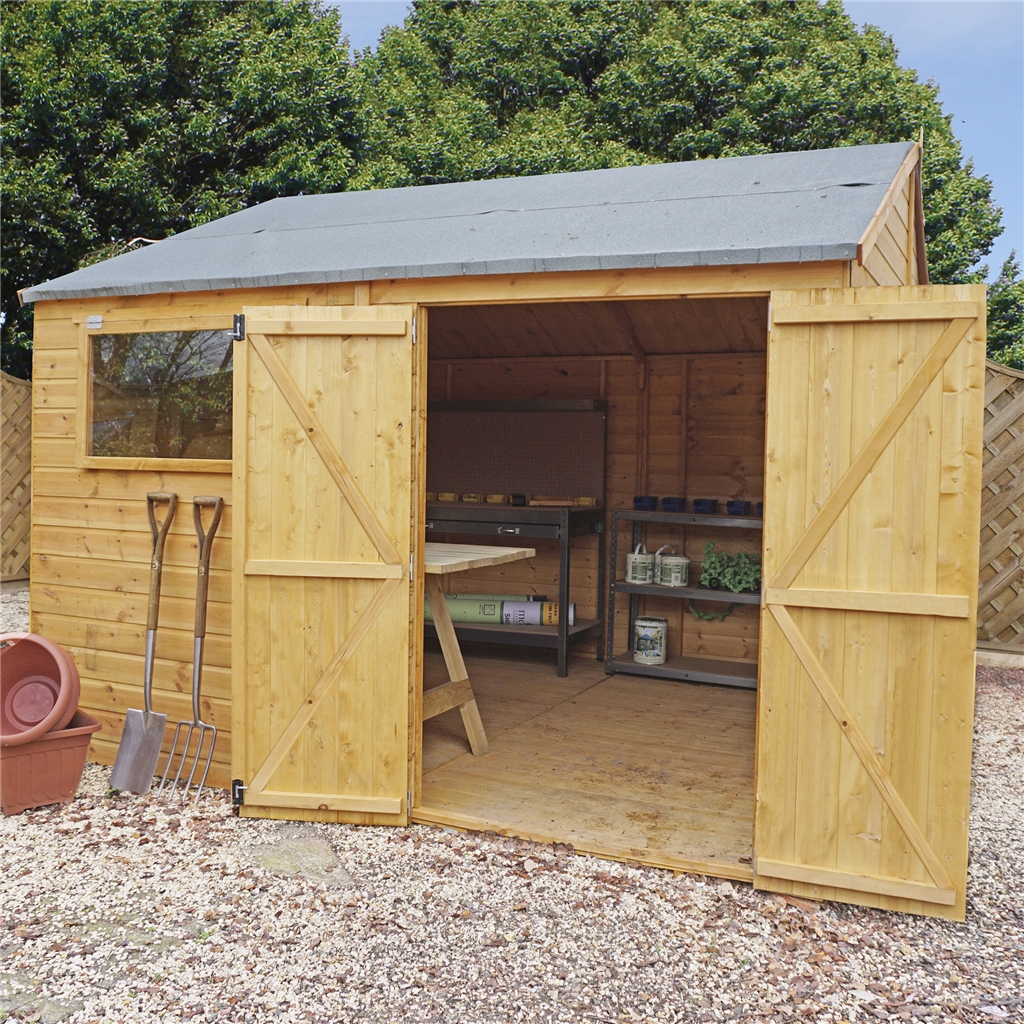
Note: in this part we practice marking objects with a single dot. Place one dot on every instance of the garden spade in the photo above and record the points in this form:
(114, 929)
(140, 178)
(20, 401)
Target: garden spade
(143, 731)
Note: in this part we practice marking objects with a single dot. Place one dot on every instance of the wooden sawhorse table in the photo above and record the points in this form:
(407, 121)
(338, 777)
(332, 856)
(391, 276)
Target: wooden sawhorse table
(439, 560)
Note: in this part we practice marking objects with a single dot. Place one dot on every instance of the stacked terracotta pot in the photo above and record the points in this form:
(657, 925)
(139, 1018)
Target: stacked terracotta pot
(44, 738)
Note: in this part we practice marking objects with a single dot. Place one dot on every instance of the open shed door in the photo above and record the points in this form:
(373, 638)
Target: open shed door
(872, 501)
(324, 535)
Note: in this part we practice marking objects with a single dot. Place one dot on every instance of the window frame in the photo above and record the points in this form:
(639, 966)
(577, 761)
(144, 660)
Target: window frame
(84, 459)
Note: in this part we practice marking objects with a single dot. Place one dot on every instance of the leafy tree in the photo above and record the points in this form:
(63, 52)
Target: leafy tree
(1006, 316)
(503, 87)
(145, 118)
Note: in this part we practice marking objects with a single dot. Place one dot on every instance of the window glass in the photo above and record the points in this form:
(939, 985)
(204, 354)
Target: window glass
(164, 394)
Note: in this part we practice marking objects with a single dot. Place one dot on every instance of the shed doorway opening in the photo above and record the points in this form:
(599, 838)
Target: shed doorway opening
(657, 767)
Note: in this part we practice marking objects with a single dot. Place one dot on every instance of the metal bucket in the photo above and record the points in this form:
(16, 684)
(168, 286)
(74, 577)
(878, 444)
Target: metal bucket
(650, 640)
(639, 566)
(673, 571)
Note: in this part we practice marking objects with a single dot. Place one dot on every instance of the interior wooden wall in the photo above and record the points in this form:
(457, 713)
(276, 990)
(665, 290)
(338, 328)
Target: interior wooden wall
(695, 429)
(91, 541)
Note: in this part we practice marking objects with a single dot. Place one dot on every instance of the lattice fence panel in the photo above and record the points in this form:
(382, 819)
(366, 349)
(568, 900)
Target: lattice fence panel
(1001, 578)
(15, 475)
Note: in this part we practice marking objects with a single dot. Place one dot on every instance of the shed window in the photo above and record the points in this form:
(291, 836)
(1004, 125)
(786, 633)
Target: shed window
(164, 394)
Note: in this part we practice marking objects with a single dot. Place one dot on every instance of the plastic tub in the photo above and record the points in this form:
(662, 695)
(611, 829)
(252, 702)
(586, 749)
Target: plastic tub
(39, 688)
(47, 770)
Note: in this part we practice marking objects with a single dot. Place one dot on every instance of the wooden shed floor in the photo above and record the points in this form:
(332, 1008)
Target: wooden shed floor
(625, 767)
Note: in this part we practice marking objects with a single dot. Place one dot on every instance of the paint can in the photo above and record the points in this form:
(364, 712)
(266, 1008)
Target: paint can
(639, 566)
(650, 639)
(657, 560)
(674, 571)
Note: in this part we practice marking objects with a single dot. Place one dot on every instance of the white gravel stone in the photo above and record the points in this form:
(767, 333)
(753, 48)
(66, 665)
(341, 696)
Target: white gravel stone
(120, 909)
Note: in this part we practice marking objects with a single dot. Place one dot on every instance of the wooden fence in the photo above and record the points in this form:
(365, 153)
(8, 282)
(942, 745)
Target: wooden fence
(1001, 577)
(15, 475)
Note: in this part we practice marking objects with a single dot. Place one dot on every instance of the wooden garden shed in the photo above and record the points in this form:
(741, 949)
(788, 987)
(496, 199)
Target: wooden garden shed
(755, 329)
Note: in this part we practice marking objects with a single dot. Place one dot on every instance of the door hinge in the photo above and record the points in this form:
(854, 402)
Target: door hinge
(410, 567)
(408, 801)
(237, 794)
(238, 331)
(414, 330)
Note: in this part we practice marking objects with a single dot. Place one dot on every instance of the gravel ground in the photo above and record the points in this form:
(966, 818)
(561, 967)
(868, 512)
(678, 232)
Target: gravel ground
(124, 909)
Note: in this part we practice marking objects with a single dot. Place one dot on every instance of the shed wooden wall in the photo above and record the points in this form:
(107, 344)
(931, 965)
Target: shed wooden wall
(91, 541)
(90, 546)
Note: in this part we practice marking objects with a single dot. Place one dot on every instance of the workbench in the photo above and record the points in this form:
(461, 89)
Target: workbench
(439, 561)
(558, 523)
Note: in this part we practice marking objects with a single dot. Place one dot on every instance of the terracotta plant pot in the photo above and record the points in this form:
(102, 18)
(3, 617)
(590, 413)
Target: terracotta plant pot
(39, 688)
(47, 770)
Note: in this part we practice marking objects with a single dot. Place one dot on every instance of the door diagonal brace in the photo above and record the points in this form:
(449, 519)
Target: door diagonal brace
(862, 747)
(879, 440)
(325, 447)
(321, 688)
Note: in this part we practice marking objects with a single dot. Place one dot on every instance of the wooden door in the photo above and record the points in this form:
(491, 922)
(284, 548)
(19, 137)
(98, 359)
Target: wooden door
(322, 644)
(866, 692)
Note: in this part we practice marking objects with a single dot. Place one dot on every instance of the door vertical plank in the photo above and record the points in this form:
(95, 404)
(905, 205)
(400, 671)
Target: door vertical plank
(874, 379)
(393, 461)
(957, 567)
(778, 691)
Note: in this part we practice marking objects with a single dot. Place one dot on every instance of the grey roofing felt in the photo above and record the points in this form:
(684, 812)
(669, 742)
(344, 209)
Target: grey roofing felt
(776, 208)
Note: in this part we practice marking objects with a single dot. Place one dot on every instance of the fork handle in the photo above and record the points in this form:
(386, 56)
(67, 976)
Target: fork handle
(205, 539)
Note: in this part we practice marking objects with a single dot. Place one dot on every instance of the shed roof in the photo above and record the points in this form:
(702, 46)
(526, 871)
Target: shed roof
(773, 208)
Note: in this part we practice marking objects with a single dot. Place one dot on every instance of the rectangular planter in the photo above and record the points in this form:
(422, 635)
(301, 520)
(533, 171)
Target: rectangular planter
(47, 770)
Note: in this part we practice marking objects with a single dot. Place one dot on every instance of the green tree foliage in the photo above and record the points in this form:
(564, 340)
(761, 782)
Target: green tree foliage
(146, 118)
(149, 117)
(1006, 316)
(502, 87)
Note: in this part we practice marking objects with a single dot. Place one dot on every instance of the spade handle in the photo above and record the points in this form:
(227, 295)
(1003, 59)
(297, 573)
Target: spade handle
(159, 532)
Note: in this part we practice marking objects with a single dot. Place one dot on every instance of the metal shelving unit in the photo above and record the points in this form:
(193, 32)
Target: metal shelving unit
(684, 667)
(507, 521)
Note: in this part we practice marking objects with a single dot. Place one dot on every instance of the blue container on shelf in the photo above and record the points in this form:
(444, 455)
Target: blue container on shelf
(645, 503)
(673, 504)
(760, 508)
(737, 507)
(705, 506)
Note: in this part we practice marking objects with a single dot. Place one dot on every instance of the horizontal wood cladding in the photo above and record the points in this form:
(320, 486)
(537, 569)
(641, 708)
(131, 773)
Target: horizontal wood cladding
(91, 557)
(655, 282)
(184, 304)
(124, 637)
(891, 257)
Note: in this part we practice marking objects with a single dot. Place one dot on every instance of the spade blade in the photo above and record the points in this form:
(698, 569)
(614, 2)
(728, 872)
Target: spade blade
(138, 751)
